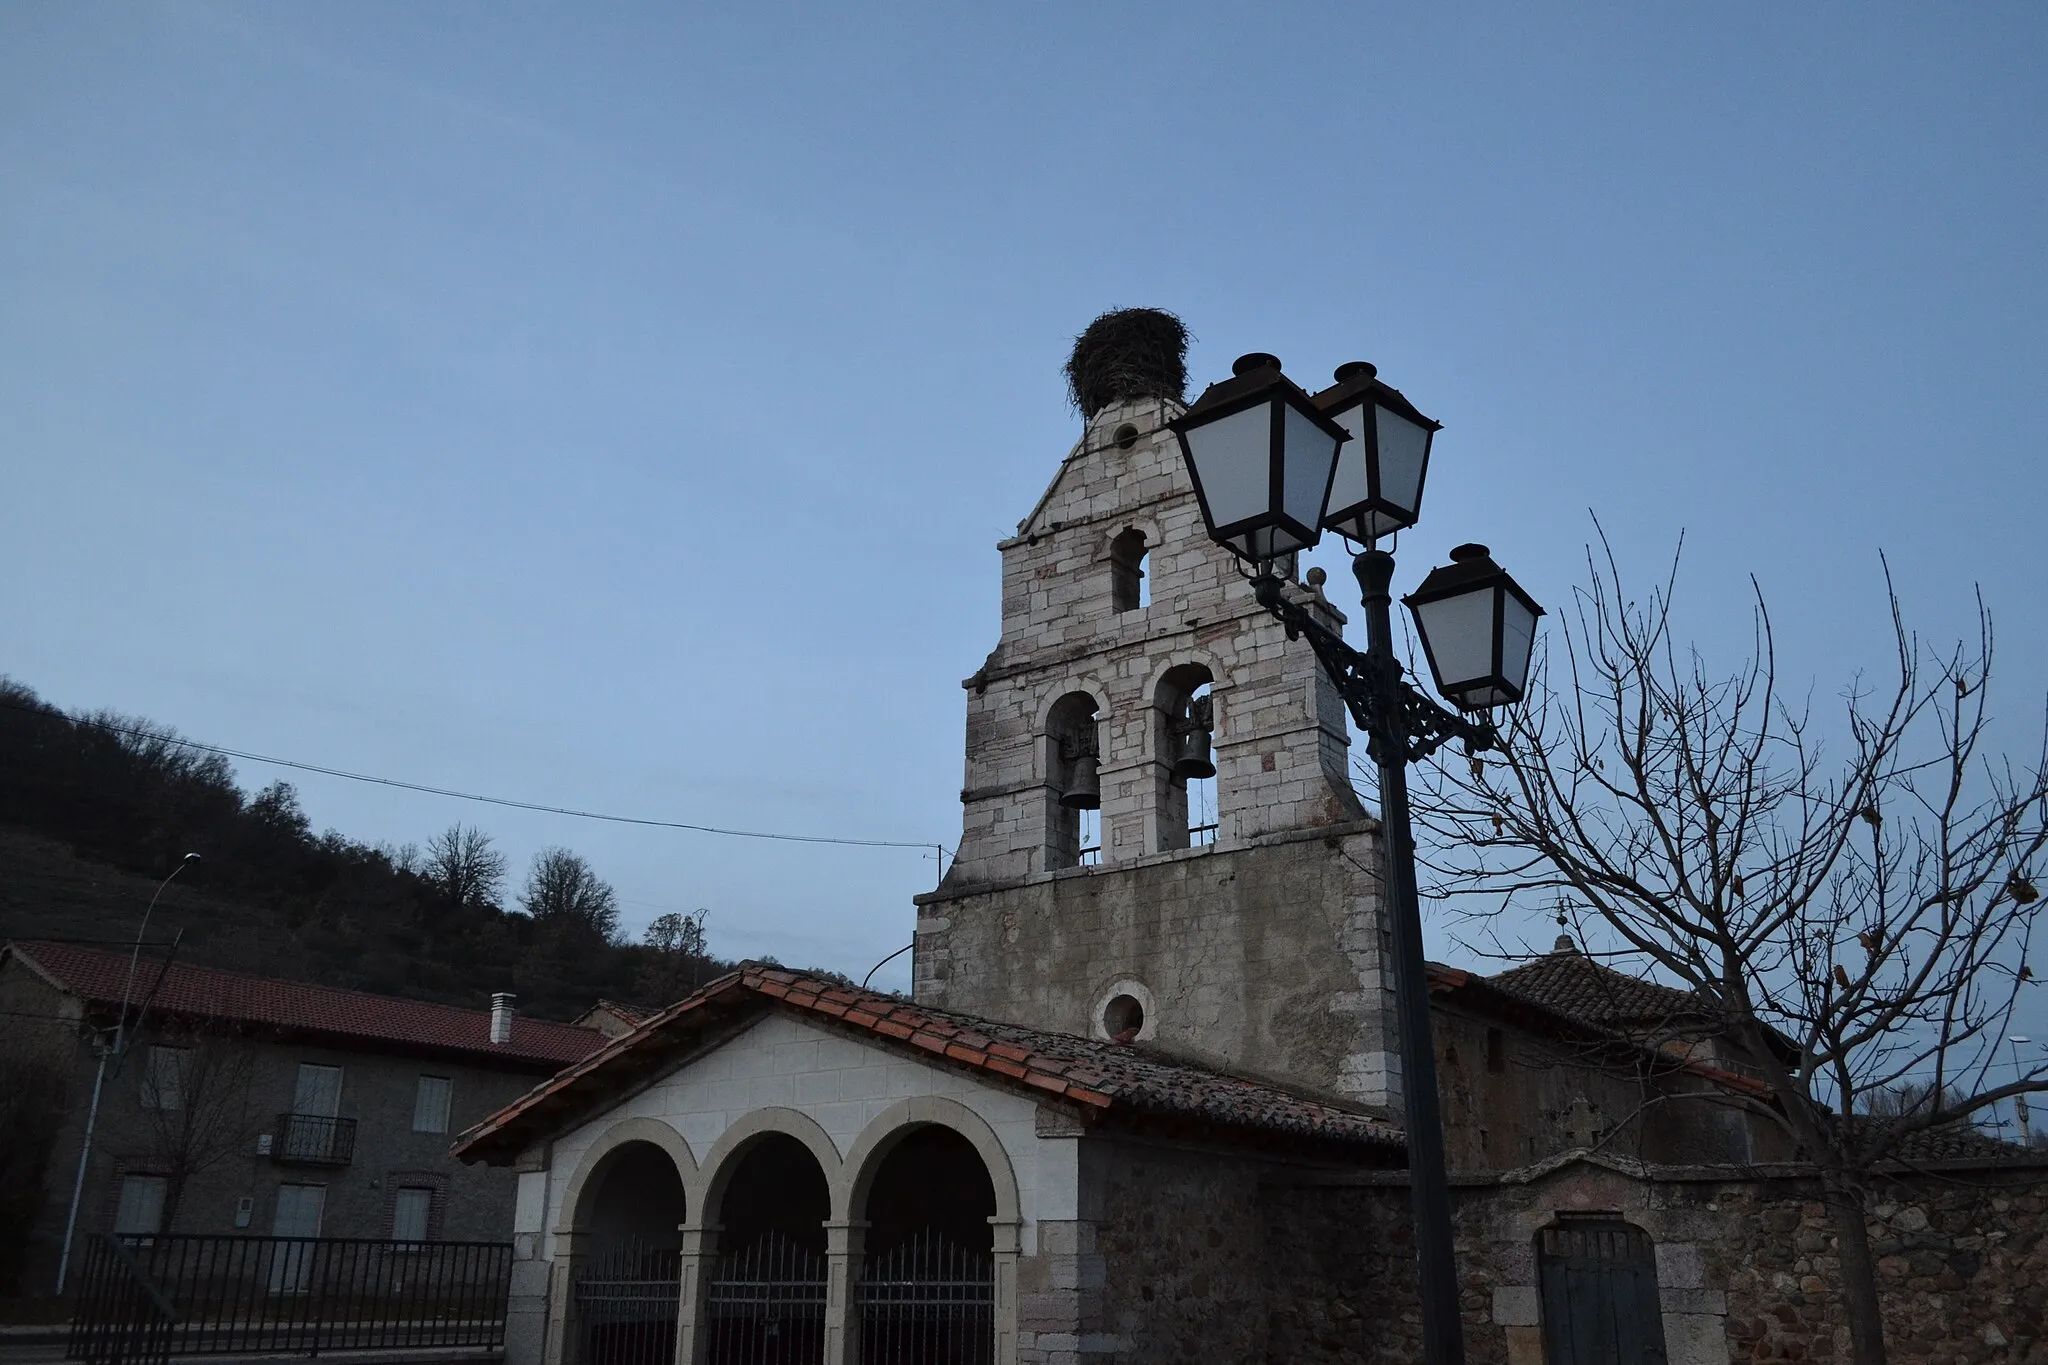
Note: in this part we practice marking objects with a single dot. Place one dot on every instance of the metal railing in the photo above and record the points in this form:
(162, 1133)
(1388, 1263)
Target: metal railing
(927, 1301)
(313, 1140)
(149, 1298)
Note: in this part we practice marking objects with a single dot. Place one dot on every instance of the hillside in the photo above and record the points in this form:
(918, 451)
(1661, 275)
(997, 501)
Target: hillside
(96, 809)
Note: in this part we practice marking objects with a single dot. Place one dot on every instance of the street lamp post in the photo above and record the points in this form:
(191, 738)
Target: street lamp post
(1268, 462)
(2019, 1101)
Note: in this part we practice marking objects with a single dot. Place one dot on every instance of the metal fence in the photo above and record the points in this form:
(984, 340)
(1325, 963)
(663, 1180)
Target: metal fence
(766, 1304)
(928, 1301)
(149, 1298)
(627, 1299)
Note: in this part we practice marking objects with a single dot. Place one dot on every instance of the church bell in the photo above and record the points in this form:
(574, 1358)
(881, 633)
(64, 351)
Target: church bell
(1084, 792)
(1191, 736)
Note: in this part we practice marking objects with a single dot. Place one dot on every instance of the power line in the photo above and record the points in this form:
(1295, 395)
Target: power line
(248, 757)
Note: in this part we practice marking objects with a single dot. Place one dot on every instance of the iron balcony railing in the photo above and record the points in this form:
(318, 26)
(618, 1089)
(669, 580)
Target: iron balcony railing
(146, 1299)
(313, 1140)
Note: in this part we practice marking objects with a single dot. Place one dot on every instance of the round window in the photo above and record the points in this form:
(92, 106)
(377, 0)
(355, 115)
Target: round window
(1123, 1017)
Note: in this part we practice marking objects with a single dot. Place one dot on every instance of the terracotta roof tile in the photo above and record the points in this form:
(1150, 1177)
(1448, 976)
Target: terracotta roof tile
(99, 977)
(1112, 1079)
(1568, 982)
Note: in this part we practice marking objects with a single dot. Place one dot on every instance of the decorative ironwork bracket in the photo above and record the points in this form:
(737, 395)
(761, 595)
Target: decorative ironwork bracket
(1397, 720)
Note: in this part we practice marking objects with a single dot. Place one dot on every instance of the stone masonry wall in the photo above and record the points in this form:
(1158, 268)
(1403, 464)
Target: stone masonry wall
(1269, 958)
(1745, 1267)
(1263, 951)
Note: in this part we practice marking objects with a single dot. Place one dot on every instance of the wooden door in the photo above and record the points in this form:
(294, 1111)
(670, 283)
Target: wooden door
(1598, 1280)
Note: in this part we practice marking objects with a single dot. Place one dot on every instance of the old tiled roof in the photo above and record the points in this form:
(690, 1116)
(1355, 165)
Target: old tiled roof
(98, 977)
(1569, 983)
(1100, 1081)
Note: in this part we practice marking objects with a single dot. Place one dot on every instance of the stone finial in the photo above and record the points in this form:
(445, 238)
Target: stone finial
(1564, 944)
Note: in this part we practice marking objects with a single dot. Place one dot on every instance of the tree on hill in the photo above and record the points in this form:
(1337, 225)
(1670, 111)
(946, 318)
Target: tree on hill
(1874, 911)
(564, 895)
(464, 867)
(677, 959)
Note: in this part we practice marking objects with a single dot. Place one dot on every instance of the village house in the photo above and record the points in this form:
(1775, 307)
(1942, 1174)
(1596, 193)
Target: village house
(247, 1105)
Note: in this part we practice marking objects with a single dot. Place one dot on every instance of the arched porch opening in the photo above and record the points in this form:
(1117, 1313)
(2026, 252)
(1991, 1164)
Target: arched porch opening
(765, 1299)
(627, 1274)
(926, 1293)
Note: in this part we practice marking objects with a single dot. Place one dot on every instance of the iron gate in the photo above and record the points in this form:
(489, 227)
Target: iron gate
(928, 1301)
(765, 1304)
(627, 1299)
(1599, 1286)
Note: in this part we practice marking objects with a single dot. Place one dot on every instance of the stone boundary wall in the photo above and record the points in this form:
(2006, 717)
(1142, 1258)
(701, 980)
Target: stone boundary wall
(1746, 1265)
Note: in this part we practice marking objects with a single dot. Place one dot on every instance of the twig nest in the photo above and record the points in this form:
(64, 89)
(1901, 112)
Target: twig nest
(1128, 353)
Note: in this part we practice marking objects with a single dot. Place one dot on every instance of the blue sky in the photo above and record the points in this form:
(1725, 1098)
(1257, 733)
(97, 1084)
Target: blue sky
(617, 406)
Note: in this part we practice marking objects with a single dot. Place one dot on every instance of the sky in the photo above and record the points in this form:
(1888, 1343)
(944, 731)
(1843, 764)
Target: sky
(616, 407)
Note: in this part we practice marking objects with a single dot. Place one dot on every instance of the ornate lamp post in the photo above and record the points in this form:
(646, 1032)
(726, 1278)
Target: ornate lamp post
(1273, 468)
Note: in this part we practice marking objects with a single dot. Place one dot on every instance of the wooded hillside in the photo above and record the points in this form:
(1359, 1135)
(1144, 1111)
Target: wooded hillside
(96, 809)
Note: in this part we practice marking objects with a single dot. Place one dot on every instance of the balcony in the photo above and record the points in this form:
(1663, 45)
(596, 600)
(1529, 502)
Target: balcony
(313, 1140)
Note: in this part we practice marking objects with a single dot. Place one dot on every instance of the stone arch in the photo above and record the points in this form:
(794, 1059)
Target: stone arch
(575, 1214)
(1071, 748)
(1183, 702)
(889, 1127)
(1097, 690)
(724, 1157)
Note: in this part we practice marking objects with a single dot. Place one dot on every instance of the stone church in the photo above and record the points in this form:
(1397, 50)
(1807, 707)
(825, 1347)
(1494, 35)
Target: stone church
(1143, 1102)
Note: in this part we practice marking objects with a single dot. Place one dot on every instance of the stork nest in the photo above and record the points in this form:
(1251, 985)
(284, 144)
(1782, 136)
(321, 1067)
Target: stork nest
(1128, 353)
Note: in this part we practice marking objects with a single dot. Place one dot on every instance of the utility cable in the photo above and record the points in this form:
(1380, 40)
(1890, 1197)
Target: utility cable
(248, 757)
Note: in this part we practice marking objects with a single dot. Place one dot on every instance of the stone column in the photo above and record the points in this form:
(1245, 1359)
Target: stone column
(562, 1326)
(844, 1243)
(1006, 1234)
(700, 1249)
(526, 1305)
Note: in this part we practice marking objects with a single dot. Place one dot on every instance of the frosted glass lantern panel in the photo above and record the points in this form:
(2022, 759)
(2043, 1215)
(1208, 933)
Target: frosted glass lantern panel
(1404, 447)
(1517, 640)
(1458, 632)
(1232, 462)
(1305, 482)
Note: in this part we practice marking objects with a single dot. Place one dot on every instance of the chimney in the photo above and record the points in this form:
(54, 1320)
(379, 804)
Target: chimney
(501, 1017)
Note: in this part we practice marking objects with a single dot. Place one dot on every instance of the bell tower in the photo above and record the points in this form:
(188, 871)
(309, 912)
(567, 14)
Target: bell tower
(1101, 886)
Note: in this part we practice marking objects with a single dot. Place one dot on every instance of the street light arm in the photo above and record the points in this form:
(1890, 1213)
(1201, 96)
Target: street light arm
(1385, 707)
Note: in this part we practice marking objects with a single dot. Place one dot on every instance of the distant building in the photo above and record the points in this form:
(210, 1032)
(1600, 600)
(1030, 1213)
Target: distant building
(242, 1104)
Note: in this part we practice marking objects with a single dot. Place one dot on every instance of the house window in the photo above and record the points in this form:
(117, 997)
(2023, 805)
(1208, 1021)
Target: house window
(430, 1104)
(318, 1091)
(411, 1208)
(141, 1210)
(163, 1079)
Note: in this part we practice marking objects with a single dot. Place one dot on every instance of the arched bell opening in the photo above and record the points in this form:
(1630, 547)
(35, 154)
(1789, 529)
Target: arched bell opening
(628, 1274)
(1129, 589)
(926, 1292)
(1073, 768)
(765, 1297)
(1184, 733)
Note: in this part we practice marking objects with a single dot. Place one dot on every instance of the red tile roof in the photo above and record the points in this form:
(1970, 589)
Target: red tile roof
(1570, 983)
(1103, 1081)
(98, 977)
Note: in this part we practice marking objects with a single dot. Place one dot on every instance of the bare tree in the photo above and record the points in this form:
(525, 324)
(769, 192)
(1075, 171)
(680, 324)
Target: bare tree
(680, 952)
(462, 863)
(197, 1105)
(563, 893)
(1853, 925)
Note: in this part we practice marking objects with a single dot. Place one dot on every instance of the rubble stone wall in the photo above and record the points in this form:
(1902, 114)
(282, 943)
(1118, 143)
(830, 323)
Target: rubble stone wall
(1746, 1267)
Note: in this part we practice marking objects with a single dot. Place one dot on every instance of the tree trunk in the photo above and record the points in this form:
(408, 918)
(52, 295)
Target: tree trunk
(1844, 1200)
